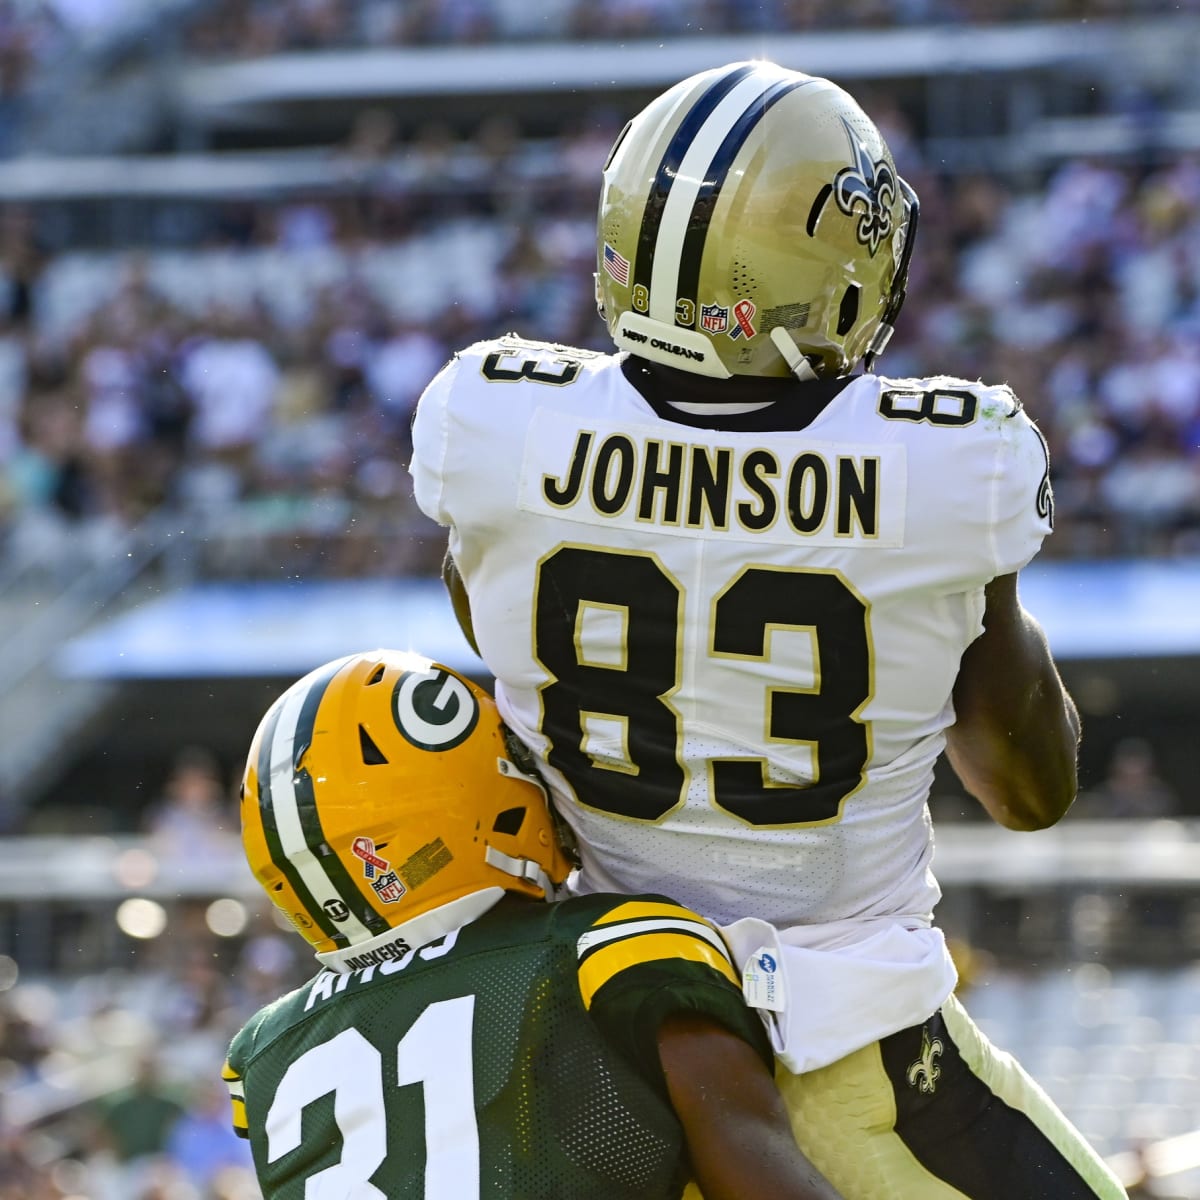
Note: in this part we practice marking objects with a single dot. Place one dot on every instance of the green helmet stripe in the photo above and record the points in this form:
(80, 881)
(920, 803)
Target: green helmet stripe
(266, 805)
(334, 868)
(296, 841)
(310, 820)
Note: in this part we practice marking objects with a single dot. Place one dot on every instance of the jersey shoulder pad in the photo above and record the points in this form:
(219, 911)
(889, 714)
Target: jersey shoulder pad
(241, 1048)
(643, 959)
(1000, 397)
(516, 344)
(513, 359)
(265, 1026)
(617, 935)
(983, 412)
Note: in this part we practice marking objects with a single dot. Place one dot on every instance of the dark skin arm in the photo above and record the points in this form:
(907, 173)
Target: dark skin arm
(1015, 741)
(459, 599)
(738, 1134)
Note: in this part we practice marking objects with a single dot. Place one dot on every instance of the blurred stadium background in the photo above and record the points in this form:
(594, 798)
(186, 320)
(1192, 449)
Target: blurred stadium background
(237, 237)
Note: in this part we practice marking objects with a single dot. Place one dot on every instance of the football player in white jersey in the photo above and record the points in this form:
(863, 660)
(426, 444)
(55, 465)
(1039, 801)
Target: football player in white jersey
(739, 593)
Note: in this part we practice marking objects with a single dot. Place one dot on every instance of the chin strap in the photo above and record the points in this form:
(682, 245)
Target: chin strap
(797, 363)
(887, 326)
(524, 869)
(878, 343)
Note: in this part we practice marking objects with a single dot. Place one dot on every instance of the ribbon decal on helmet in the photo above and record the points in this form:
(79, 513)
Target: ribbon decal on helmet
(743, 311)
(364, 848)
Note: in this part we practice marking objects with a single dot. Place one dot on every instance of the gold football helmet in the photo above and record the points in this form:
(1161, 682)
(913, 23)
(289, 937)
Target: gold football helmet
(752, 223)
(381, 808)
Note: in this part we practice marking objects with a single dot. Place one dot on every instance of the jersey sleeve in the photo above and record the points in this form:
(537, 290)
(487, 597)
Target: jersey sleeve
(1022, 503)
(430, 444)
(647, 959)
(231, 1073)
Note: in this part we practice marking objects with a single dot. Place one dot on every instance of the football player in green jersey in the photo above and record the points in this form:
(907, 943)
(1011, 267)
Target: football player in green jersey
(463, 1038)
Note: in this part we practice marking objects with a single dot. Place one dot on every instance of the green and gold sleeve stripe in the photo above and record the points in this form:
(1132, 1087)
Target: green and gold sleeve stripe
(237, 1098)
(644, 909)
(642, 932)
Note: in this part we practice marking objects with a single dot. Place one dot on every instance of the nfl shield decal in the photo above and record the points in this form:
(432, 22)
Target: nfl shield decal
(714, 318)
(385, 883)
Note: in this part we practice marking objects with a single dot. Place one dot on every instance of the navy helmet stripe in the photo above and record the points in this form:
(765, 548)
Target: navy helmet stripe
(656, 201)
(714, 179)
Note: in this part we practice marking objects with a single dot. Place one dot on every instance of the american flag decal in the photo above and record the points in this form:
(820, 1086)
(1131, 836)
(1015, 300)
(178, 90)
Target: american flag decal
(616, 266)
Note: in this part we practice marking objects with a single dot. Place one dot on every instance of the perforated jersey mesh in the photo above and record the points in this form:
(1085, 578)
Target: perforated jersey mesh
(559, 1113)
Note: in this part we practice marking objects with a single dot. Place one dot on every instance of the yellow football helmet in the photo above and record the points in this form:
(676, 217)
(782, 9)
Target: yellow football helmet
(381, 808)
(752, 223)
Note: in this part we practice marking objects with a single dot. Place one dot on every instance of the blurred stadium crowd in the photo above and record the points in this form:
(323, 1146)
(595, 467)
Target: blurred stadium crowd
(247, 29)
(109, 1067)
(250, 373)
(35, 31)
(264, 362)
(269, 372)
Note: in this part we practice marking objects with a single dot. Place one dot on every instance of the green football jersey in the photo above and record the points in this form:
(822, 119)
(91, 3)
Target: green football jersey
(515, 1059)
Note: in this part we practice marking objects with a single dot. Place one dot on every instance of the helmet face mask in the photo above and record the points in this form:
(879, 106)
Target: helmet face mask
(752, 223)
(379, 796)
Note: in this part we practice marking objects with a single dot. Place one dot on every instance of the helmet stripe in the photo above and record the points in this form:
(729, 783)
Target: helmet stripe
(700, 217)
(668, 168)
(306, 806)
(295, 817)
(331, 864)
(691, 173)
(266, 810)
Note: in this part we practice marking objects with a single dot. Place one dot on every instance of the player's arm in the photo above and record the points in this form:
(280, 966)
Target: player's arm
(1015, 741)
(459, 599)
(739, 1139)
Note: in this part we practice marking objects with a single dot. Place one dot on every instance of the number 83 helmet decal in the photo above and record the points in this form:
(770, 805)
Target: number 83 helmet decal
(752, 223)
(380, 808)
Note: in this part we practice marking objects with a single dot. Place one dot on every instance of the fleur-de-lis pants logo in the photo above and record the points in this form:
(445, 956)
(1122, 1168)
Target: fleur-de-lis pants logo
(924, 1073)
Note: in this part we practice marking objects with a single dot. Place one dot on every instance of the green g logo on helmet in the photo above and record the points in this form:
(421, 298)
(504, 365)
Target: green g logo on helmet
(752, 223)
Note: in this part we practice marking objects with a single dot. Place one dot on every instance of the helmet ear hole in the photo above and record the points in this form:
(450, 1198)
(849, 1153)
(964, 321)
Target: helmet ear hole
(509, 821)
(818, 205)
(848, 312)
(372, 756)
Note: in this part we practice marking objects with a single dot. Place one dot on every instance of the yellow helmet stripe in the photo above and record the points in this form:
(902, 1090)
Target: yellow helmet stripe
(289, 814)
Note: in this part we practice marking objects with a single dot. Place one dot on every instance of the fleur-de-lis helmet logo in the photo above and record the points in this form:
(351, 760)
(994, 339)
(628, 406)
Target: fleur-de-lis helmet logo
(866, 189)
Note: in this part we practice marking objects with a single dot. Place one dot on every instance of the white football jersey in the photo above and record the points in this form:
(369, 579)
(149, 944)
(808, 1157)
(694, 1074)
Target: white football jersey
(734, 651)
